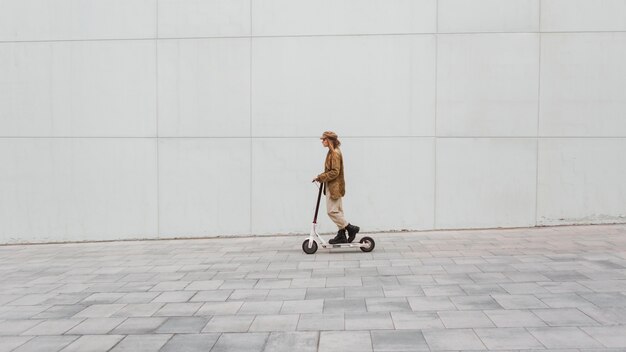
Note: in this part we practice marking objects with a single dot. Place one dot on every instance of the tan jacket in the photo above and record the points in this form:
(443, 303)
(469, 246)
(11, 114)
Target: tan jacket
(333, 174)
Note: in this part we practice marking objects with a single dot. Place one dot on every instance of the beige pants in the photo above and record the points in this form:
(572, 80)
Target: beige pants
(334, 208)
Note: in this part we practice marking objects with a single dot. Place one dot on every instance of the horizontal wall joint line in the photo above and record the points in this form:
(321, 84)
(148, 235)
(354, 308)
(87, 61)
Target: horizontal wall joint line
(295, 36)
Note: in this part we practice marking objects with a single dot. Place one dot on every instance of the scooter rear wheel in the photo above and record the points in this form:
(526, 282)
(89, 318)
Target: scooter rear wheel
(370, 242)
(307, 249)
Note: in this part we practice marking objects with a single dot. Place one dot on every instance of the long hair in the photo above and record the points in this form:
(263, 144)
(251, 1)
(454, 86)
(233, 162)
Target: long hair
(333, 141)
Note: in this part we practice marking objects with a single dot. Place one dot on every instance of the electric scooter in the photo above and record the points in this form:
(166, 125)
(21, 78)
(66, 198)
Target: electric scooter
(310, 245)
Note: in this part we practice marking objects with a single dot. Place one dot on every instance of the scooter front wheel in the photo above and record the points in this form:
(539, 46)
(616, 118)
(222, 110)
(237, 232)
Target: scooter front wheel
(369, 242)
(309, 250)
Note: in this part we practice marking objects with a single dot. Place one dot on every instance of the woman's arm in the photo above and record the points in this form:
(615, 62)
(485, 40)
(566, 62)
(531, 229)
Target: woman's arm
(335, 167)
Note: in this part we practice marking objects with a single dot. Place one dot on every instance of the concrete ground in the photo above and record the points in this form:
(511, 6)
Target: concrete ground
(560, 288)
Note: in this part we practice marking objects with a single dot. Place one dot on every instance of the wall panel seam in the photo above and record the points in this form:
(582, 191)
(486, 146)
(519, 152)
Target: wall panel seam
(313, 137)
(250, 114)
(158, 172)
(435, 140)
(538, 122)
(296, 36)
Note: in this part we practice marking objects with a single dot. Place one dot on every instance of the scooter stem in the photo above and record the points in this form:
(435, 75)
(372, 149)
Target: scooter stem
(317, 206)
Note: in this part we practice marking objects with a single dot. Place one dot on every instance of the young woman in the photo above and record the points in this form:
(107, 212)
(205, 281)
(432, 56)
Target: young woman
(335, 188)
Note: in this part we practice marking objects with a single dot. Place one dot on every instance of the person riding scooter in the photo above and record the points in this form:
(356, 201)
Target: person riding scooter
(335, 188)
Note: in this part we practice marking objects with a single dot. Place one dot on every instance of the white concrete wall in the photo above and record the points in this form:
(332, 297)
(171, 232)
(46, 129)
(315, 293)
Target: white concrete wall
(162, 118)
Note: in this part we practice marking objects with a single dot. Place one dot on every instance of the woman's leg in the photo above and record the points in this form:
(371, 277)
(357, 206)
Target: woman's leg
(334, 208)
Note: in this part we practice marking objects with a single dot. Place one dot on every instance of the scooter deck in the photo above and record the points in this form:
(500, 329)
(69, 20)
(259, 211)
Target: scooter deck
(344, 245)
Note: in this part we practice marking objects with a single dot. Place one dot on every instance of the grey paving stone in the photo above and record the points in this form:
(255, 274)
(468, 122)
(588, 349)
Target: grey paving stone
(453, 279)
(93, 343)
(248, 294)
(416, 320)
(409, 280)
(133, 326)
(182, 325)
(514, 318)
(379, 281)
(443, 290)
(306, 283)
(61, 311)
(229, 323)
(475, 302)
(524, 288)
(31, 299)
(136, 287)
(489, 278)
(66, 299)
(606, 316)
(609, 336)
(102, 298)
(465, 319)
(558, 337)
(563, 287)
(4, 299)
(452, 339)
(364, 292)
(368, 321)
(405, 340)
(141, 343)
(458, 269)
(345, 341)
(482, 289)
(219, 308)
(170, 286)
(564, 300)
(264, 307)
(16, 327)
(324, 293)
(204, 285)
(518, 302)
(286, 294)
(292, 341)
(428, 270)
(22, 312)
(95, 326)
(138, 310)
(238, 284)
(606, 299)
(238, 342)
(295, 274)
(190, 342)
(272, 283)
(9, 343)
(174, 297)
(284, 322)
(99, 311)
(178, 309)
(526, 277)
(261, 275)
(399, 291)
(53, 327)
(508, 339)
(302, 307)
(430, 303)
(319, 322)
(565, 276)
(46, 344)
(396, 270)
(352, 305)
(211, 296)
(564, 317)
(393, 304)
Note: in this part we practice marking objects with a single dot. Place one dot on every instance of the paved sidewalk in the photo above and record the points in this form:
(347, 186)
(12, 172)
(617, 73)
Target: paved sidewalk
(560, 288)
